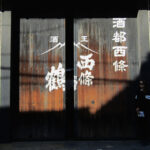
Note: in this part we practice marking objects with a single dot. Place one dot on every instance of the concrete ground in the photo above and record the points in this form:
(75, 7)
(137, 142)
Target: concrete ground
(76, 145)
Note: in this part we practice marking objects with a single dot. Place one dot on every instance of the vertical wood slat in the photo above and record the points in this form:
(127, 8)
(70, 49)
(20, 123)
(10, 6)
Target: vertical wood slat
(0, 51)
(5, 68)
(5, 57)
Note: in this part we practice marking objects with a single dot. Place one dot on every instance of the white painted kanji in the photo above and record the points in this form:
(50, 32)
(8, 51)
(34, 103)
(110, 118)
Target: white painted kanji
(60, 76)
(84, 38)
(55, 78)
(53, 39)
(86, 78)
(86, 62)
(120, 66)
(119, 22)
(119, 36)
(119, 51)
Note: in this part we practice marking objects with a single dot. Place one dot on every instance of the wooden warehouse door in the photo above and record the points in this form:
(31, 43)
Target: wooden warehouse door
(106, 60)
(41, 80)
(105, 76)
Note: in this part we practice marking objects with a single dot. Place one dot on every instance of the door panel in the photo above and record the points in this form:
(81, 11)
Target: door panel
(103, 96)
(37, 39)
(41, 79)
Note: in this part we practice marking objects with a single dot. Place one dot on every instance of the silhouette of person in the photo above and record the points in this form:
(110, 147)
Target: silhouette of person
(143, 101)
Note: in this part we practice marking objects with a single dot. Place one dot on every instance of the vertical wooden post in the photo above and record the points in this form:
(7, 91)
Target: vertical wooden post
(5, 44)
(143, 35)
(69, 79)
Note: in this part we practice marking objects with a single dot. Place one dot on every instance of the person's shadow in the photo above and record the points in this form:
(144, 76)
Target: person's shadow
(143, 123)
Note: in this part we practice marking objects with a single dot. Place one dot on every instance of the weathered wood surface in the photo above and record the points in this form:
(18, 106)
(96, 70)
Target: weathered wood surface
(41, 112)
(5, 27)
(106, 104)
(103, 110)
(5, 71)
(34, 40)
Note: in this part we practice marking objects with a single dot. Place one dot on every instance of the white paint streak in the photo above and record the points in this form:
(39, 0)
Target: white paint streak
(57, 46)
